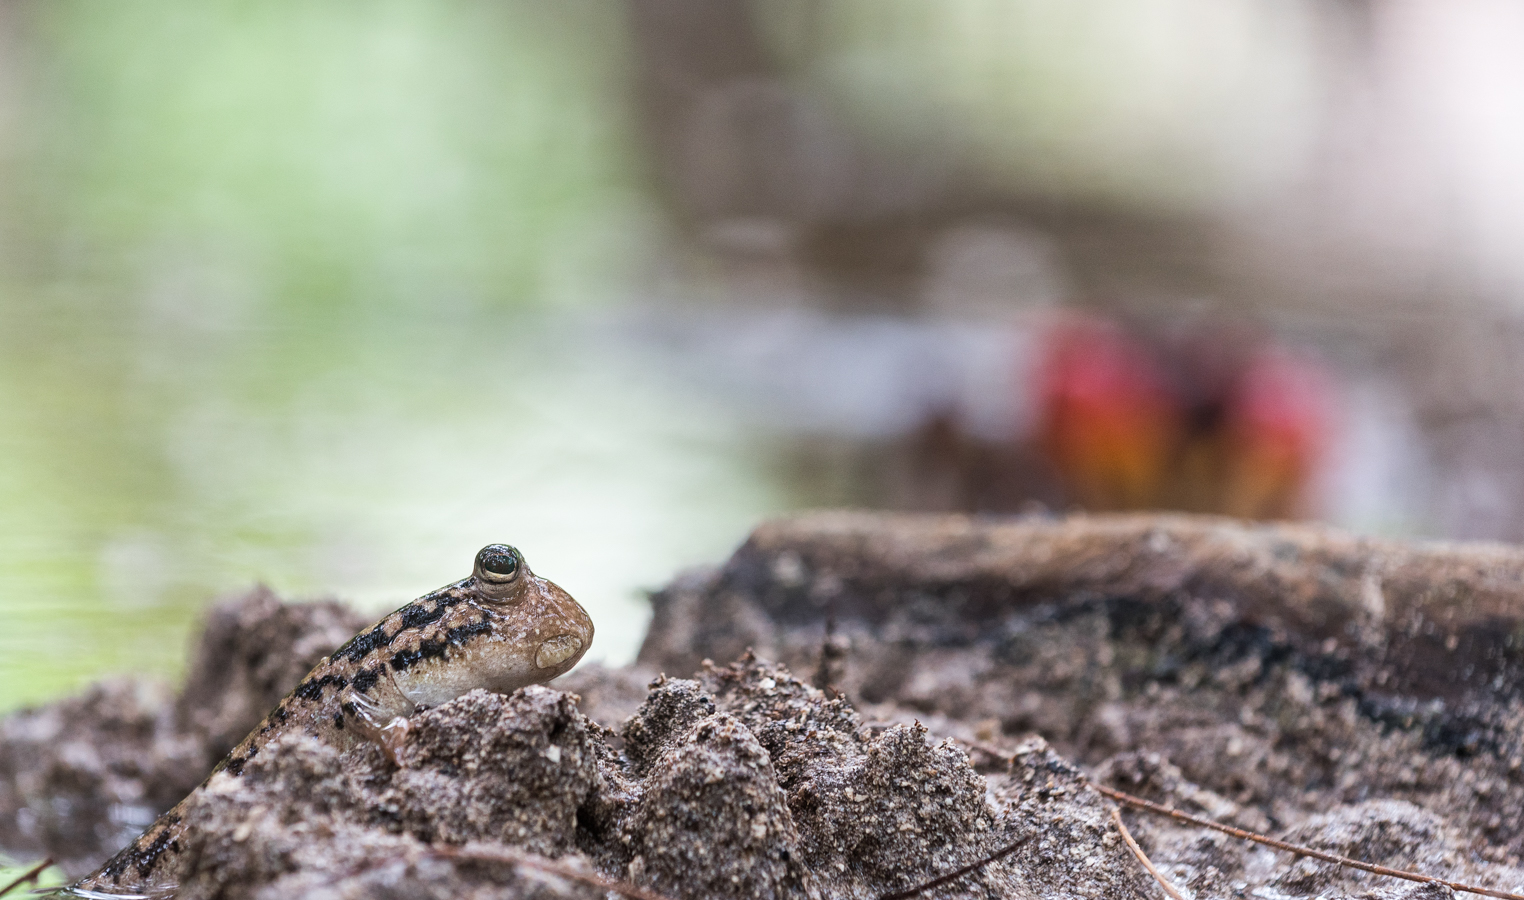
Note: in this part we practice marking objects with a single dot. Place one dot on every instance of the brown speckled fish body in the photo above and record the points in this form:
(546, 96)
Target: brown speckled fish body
(501, 629)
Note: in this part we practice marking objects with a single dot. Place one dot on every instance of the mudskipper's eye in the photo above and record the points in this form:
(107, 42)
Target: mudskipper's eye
(498, 563)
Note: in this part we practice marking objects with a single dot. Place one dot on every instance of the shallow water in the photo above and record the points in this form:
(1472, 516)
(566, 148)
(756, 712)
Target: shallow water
(614, 446)
(126, 507)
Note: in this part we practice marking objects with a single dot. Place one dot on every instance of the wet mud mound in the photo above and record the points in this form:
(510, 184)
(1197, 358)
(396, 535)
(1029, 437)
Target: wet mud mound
(743, 782)
(82, 777)
(920, 692)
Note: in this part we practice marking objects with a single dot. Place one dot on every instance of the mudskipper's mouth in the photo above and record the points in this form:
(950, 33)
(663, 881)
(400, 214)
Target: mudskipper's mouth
(557, 650)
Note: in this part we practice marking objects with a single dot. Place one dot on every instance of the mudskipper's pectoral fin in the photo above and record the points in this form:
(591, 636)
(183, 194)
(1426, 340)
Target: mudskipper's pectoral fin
(379, 714)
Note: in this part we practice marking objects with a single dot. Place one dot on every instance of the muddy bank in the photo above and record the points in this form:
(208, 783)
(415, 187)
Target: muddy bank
(1275, 676)
(925, 690)
(743, 782)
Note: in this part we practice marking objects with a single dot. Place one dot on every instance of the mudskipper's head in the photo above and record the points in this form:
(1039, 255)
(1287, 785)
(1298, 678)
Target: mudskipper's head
(562, 629)
(508, 628)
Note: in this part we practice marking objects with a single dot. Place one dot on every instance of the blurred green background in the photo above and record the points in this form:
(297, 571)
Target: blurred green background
(328, 295)
(289, 293)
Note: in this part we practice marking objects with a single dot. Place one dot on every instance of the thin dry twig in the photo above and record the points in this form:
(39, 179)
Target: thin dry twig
(957, 873)
(29, 875)
(1116, 816)
(1298, 849)
(551, 866)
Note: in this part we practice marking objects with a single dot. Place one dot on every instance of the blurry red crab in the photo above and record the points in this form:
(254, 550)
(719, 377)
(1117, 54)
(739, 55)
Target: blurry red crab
(1215, 422)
